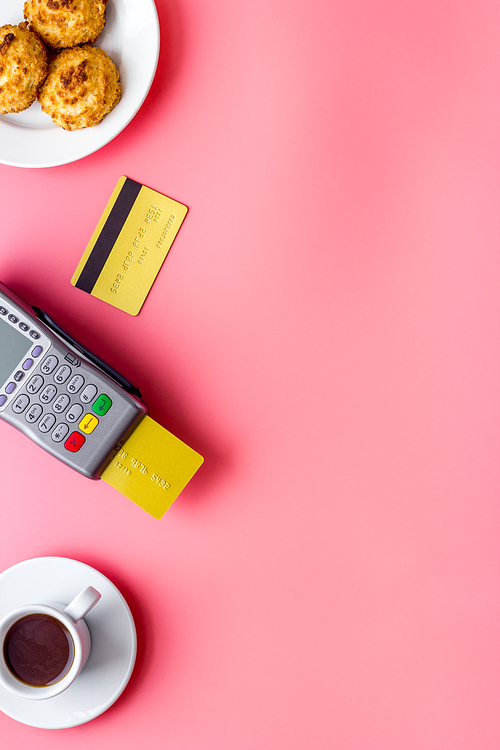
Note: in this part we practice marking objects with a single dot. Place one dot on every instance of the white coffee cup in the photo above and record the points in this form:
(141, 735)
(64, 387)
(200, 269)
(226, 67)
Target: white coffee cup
(23, 639)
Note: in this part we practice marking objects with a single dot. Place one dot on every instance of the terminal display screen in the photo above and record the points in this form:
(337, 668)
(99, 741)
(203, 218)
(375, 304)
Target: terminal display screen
(13, 348)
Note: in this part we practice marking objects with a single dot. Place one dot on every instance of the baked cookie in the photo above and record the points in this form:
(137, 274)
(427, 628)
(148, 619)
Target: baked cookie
(23, 67)
(82, 86)
(66, 23)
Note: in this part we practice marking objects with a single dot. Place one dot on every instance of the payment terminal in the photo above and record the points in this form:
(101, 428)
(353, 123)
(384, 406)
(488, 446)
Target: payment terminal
(59, 394)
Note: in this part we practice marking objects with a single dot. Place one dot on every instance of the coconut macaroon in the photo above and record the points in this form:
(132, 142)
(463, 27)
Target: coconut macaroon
(82, 86)
(66, 23)
(23, 67)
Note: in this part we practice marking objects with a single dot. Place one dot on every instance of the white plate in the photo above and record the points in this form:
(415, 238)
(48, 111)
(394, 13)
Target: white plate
(131, 37)
(112, 629)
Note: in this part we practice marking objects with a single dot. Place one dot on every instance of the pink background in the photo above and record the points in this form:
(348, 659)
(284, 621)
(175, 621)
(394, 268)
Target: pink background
(326, 332)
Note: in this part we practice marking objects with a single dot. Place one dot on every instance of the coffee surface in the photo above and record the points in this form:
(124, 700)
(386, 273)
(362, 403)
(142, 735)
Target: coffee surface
(38, 650)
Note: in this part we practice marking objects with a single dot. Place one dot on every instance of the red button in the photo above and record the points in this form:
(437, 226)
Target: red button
(74, 442)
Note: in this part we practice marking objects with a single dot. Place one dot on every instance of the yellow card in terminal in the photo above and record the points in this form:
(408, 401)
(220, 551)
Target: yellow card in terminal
(129, 245)
(152, 467)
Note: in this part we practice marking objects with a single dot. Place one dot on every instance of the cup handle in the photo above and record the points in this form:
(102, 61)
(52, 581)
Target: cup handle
(82, 604)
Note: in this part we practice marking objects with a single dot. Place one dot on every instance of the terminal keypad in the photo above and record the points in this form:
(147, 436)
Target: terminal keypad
(56, 397)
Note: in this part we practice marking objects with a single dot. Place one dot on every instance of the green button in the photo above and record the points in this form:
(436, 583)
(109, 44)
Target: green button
(102, 405)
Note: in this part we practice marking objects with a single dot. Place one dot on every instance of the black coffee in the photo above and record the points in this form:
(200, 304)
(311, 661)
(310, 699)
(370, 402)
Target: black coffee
(38, 650)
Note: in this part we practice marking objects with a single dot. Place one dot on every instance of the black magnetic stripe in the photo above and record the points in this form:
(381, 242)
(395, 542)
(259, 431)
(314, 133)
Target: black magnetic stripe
(108, 235)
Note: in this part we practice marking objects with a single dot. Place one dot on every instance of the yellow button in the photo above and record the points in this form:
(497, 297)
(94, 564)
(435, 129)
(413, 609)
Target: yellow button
(88, 424)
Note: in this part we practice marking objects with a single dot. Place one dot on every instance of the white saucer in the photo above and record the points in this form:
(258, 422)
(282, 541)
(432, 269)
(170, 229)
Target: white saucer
(114, 641)
(131, 37)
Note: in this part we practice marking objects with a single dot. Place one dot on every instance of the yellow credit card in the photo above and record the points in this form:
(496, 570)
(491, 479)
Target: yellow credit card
(129, 245)
(152, 467)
